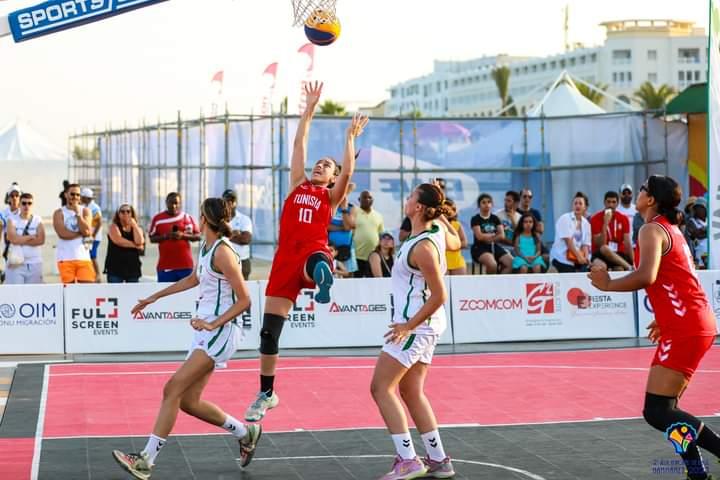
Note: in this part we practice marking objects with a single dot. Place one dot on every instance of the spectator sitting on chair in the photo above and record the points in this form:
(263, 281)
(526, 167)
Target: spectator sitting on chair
(86, 198)
(527, 247)
(339, 270)
(487, 231)
(526, 196)
(611, 236)
(242, 230)
(571, 249)
(368, 227)
(340, 233)
(454, 258)
(126, 242)
(173, 230)
(25, 232)
(509, 216)
(381, 259)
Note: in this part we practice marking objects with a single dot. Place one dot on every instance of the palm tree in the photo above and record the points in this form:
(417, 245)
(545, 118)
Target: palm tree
(652, 99)
(328, 107)
(593, 95)
(501, 75)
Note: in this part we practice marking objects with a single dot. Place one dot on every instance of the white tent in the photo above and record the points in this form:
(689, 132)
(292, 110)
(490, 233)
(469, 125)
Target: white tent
(34, 162)
(562, 99)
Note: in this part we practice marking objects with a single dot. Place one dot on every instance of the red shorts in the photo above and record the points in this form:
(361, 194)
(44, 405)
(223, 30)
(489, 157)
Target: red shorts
(287, 275)
(682, 354)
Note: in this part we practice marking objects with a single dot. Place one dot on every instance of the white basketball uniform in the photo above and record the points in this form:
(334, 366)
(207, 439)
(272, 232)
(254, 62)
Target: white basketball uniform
(216, 296)
(410, 292)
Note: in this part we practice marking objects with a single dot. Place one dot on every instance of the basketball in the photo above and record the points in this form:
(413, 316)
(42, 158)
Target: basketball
(322, 27)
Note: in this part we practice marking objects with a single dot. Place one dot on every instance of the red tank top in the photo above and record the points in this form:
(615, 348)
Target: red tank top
(677, 298)
(305, 218)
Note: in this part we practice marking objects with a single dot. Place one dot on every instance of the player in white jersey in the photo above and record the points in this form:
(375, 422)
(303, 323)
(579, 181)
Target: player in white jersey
(223, 297)
(418, 321)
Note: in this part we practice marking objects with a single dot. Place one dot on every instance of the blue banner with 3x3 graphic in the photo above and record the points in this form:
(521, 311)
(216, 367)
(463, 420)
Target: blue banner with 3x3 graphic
(55, 15)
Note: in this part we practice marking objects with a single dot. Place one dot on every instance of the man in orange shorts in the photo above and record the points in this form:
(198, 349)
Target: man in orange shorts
(72, 222)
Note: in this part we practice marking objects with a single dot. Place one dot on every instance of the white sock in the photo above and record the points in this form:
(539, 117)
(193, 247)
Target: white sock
(234, 426)
(154, 444)
(404, 445)
(433, 445)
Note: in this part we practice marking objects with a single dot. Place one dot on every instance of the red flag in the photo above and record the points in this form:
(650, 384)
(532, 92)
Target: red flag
(309, 50)
(218, 77)
(271, 69)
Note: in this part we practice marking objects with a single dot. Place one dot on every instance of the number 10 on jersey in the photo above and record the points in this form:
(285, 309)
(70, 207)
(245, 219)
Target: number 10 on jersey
(305, 215)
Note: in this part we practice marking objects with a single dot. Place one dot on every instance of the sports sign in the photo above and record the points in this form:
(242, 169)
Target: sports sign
(56, 15)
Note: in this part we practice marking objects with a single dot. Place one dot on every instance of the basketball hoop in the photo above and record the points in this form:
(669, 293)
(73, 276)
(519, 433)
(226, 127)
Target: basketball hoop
(303, 8)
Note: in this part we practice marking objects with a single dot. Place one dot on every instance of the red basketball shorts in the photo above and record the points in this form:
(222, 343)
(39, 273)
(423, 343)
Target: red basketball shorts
(682, 354)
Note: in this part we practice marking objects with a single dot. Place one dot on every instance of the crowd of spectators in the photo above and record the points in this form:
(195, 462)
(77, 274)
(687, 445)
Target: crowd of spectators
(506, 240)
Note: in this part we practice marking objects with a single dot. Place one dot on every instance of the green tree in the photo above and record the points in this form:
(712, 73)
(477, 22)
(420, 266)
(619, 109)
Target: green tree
(651, 99)
(594, 96)
(83, 153)
(328, 107)
(501, 76)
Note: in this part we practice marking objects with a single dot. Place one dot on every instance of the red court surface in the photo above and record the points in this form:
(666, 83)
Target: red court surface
(333, 393)
(17, 456)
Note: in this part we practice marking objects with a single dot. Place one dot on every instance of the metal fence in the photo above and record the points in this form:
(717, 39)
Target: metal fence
(202, 157)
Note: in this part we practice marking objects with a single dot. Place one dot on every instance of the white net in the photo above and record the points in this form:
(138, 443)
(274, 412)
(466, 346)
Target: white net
(303, 8)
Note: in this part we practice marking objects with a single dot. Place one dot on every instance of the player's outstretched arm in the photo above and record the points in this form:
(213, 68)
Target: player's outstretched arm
(340, 189)
(297, 164)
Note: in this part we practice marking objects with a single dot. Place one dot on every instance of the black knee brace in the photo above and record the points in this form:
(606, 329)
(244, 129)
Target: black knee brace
(270, 333)
(313, 260)
(661, 412)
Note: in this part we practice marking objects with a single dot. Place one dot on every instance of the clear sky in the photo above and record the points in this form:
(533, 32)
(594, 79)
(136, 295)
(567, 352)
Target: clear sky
(154, 61)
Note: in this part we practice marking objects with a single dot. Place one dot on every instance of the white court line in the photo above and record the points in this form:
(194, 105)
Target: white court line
(28, 362)
(345, 429)
(525, 473)
(367, 367)
(40, 426)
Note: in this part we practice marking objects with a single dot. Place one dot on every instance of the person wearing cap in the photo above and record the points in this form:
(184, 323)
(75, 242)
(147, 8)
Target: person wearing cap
(12, 207)
(627, 207)
(242, 230)
(697, 231)
(87, 197)
(381, 259)
(173, 230)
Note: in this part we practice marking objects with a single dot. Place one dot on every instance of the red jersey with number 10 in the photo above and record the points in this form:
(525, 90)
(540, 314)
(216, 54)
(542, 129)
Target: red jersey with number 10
(305, 218)
(677, 298)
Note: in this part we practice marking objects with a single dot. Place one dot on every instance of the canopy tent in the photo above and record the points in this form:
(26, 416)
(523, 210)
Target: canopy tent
(19, 142)
(563, 99)
(34, 162)
(694, 99)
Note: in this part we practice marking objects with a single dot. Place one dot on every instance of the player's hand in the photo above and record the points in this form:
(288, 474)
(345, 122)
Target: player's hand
(653, 332)
(357, 125)
(312, 94)
(142, 303)
(199, 325)
(397, 332)
(599, 278)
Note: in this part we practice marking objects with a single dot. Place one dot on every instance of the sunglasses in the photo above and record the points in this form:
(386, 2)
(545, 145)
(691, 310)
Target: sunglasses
(527, 196)
(25, 204)
(125, 210)
(72, 194)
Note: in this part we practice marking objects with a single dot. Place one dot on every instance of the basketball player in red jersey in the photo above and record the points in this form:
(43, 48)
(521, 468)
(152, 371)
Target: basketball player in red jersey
(684, 325)
(302, 259)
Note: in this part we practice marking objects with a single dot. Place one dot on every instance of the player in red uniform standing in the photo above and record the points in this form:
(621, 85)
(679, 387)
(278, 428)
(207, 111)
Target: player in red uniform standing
(684, 325)
(302, 259)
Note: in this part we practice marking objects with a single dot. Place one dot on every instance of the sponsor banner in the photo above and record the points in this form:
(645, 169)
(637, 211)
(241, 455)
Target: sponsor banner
(710, 281)
(98, 319)
(55, 15)
(31, 319)
(358, 315)
(537, 307)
